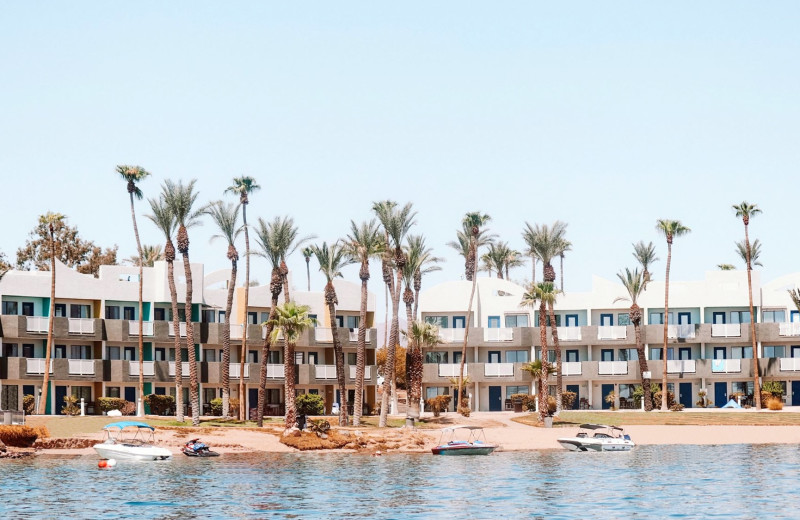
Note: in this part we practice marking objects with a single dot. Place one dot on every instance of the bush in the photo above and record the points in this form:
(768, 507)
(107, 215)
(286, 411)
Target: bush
(310, 404)
(657, 399)
(677, 407)
(18, 436)
(438, 404)
(128, 408)
(106, 404)
(216, 406)
(28, 404)
(568, 400)
(528, 401)
(611, 399)
(774, 404)
(71, 406)
(234, 407)
(551, 405)
(160, 404)
(319, 426)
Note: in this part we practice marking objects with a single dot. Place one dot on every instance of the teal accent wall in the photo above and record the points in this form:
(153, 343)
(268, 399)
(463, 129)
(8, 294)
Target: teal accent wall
(147, 348)
(45, 307)
(148, 389)
(146, 311)
(195, 312)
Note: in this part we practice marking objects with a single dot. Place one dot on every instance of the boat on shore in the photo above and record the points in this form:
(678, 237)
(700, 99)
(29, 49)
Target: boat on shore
(598, 437)
(195, 448)
(130, 440)
(452, 441)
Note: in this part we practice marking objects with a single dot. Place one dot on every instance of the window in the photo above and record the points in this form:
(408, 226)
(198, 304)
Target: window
(572, 356)
(27, 350)
(655, 353)
(159, 314)
(82, 392)
(274, 357)
(657, 318)
(547, 320)
(628, 354)
(210, 355)
(222, 316)
(78, 311)
(10, 350)
(456, 358)
(494, 356)
(511, 390)
(60, 352)
(313, 318)
(516, 320)
(129, 353)
(60, 310)
(777, 351)
(572, 320)
(623, 318)
(112, 312)
(606, 320)
(80, 352)
(494, 322)
(436, 357)
(351, 358)
(607, 354)
(273, 395)
(741, 352)
(209, 394)
(516, 356)
(113, 353)
(160, 390)
(252, 356)
(10, 308)
(299, 358)
(439, 321)
(313, 358)
(684, 353)
(161, 354)
(27, 308)
(774, 316)
(129, 313)
(252, 317)
(112, 391)
(744, 387)
(209, 316)
(340, 321)
(352, 322)
(459, 322)
(433, 391)
(740, 316)
(264, 317)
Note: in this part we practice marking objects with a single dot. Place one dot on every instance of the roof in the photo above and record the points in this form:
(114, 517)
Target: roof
(462, 427)
(125, 424)
(599, 427)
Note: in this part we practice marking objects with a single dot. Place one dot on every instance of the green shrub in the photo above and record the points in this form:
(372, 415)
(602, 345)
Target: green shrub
(28, 404)
(71, 406)
(528, 401)
(438, 404)
(568, 400)
(310, 404)
(106, 404)
(160, 404)
(319, 426)
(216, 406)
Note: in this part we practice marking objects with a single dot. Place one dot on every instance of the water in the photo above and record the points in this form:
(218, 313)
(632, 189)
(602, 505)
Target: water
(734, 481)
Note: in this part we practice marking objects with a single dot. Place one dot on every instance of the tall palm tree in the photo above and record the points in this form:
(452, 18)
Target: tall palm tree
(396, 222)
(645, 254)
(50, 219)
(364, 243)
(331, 261)
(473, 222)
(244, 186)
(132, 175)
(547, 242)
(181, 198)
(755, 252)
(496, 257)
(539, 293)
(290, 321)
(226, 216)
(670, 229)
(794, 294)
(420, 335)
(513, 259)
(164, 220)
(150, 255)
(566, 245)
(463, 242)
(421, 257)
(307, 254)
(635, 285)
(747, 211)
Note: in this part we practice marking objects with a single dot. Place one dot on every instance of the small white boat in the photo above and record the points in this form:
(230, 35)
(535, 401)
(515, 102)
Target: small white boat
(598, 437)
(474, 444)
(130, 440)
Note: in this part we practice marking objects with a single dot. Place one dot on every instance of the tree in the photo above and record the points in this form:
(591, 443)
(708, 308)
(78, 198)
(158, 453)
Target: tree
(331, 261)
(133, 175)
(150, 253)
(4, 265)
(566, 245)
(244, 186)
(363, 244)
(49, 221)
(420, 261)
(473, 222)
(535, 294)
(463, 242)
(635, 285)
(794, 294)
(382, 360)
(755, 252)
(670, 229)
(180, 199)
(421, 335)
(307, 254)
(70, 249)
(164, 220)
(226, 216)
(290, 321)
(747, 211)
(726, 267)
(645, 254)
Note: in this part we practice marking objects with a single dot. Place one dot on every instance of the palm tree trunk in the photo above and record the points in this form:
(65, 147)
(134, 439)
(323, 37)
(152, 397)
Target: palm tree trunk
(226, 345)
(753, 320)
(288, 362)
(664, 391)
(648, 401)
(533, 269)
(557, 347)
(543, 384)
(242, 393)
(49, 350)
(262, 381)
(178, 350)
(358, 402)
(139, 412)
(391, 350)
(194, 395)
(464, 346)
(308, 273)
(338, 356)
(561, 270)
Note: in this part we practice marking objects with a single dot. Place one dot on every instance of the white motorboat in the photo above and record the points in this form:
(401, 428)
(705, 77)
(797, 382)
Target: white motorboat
(130, 440)
(474, 444)
(598, 437)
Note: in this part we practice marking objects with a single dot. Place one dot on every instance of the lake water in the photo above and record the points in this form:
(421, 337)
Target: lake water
(734, 481)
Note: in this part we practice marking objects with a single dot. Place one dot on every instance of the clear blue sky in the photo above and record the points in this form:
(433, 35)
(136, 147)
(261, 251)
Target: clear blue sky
(607, 115)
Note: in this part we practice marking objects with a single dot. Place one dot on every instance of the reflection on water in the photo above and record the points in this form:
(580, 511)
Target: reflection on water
(738, 481)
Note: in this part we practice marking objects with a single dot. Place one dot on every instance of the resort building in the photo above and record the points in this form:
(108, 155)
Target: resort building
(96, 335)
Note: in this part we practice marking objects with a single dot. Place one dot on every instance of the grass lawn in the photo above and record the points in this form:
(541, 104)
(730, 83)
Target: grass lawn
(764, 418)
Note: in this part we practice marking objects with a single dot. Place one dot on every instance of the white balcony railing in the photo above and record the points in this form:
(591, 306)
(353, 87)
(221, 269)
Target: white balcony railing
(236, 370)
(367, 372)
(498, 369)
(612, 332)
(789, 364)
(505, 334)
(789, 329)
(325, 371)
(148, 368)
(569, 333)
(275, 371)
(38, 324)
(571, 368)
(681, 366)
(354, 335)
(726, 330)
(323, 335)
(264, 334)
(451, 335)
(726, 366)
(451, 369)
(81, 367)
(680, 331)
(133, 328)
(237, 331)
(81, 326)
(612, 368)
(181, 327)
(184, 369)
(36, 366)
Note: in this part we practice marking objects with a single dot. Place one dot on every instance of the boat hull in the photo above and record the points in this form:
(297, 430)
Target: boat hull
(127, 452)
(463, 450)
(584, 444)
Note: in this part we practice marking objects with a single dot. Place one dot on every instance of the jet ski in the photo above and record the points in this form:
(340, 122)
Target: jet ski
(195, 448)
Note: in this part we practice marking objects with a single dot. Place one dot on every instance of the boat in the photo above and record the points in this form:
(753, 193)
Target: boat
(452, 442)
(130, 440)
(195, 448)
(598, 437)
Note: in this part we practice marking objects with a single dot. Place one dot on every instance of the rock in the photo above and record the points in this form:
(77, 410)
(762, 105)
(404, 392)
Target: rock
(3, 448)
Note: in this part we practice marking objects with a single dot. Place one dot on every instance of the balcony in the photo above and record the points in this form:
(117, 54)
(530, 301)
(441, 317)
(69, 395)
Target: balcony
(790, 364)
(367, 372)
(236, 369)
(184, 369)
(451, 335)
(726, 330)
(237, 331)
(36, 366)
(680, 331)
(81, 325)
(493, 335)
(275, 371)
(498, 369)
(147, 328)
(612, 368)
(789, 329)
(181, 327)
(354, 335)
(569, 333)
(325, 371)
(571, 368)
(323, 335)
(726, 366)
(606, 332)
(451, 369)
(37, 324)
(681, 366)
(148, 369)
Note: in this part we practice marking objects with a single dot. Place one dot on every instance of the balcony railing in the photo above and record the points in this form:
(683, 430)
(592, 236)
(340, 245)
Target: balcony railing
(571, 368)
(323, 335)
(181, 327)
(505, 334)
(789, 364)
(680, 331)
(367, 372)
(81, 326)
(569, 333)
(236, 370)
(81, 367)
(37, 324)
(726, 330)
(612, 332)
(612, 368)
(354, 335)
(726, 366)
(451, 335)
(498, 369)
(148, 368)
(451, 369)
(133, 328)
(789, 329)
(184, 369)
(237, 331)
(264, 334)
(275, 371)
(325, 371)
(36, 366)
(681, 366)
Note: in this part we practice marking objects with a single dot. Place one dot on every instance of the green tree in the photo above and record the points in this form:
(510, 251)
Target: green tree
(150, 254)
(307, 254)
(726, 267)
(50, 220)
(540, 294)
(645, 254)
(635, 285)
(70, 249)
(420, 335)
(755, 252)
(463, 243)
(419, 262)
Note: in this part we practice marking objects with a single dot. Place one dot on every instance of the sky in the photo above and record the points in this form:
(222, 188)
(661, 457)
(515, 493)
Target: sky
(605, 115)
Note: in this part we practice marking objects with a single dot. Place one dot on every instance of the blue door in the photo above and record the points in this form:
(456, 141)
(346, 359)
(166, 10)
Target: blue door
(795, 393)
(606, 389)
(61, 393)
(459, 322)
(721, 394)
(684, 318)
(718, 318)
(685, 397)
(495, 399)
(130, 394)
(576, 389)
(252, 399)
(572, 320)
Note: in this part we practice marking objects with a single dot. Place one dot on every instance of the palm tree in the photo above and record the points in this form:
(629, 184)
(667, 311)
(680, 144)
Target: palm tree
(635, 285)
(566, 245)
(132, 175)
(289, 323)
(645, 254)
(180, 198)
(513, 259)
(748, 211)
(50, 219)
(331, 261)
(420, 261)
(363, 243)
(547, 242)
(150, 255)
(244, 186)
(537, 293)
(473, 222)
(494, 259)
(164, 220)
(463, 243)
(535, 369)
(726, 267)
(670, 229)
(755, 252)
(226, 216)
(794, 294)
(420, 335)
(307, 254)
